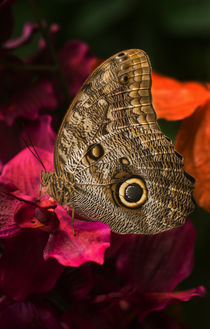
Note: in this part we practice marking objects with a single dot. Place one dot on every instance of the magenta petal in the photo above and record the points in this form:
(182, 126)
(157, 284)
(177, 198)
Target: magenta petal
(28, 31)
(24, 171)
(12, 145)
(76, 60)
(157, 266)
(30, 272)
(158, 300)
(27, 101)
(41, 133)
(89, 244)
(28, 314)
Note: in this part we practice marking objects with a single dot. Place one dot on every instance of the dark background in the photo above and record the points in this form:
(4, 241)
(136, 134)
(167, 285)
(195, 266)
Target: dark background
(176, 36)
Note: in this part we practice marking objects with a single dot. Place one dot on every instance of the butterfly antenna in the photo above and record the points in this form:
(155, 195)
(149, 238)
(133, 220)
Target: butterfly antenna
(34, 151)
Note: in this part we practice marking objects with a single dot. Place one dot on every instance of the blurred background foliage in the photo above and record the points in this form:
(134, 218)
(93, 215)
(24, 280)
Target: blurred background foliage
(176, 36)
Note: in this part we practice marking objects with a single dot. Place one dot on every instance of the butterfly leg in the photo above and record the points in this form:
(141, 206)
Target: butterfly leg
(72, 219)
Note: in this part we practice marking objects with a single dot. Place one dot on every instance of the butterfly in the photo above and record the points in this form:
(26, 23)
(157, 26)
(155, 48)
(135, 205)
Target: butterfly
(112, 162)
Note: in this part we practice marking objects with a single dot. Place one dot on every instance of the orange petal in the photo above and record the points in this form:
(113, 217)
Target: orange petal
(175, 100)
(193, 142)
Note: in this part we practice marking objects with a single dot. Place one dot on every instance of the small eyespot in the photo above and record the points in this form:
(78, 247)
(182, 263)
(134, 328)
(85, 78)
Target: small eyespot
(95, 152)
(124, 79)
(132, 193)
(120, 54)
(124, 161)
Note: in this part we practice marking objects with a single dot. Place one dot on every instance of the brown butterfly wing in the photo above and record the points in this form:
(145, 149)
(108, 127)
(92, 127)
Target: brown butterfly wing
(122, 170)
(116, 95)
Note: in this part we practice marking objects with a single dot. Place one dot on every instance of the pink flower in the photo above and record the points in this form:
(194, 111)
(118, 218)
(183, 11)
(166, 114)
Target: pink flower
(36, 234)
(139, 276)
(34, 313)
(30, 91)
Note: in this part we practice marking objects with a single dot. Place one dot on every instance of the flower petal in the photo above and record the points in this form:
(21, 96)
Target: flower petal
(28, 31)
(30, 272)
(89, 244)
(193, 142)
(157, 301)
(76, 60)
(24, 169)
(29, 314)
(175, 100)
(10, 144)
(41, 133)
(157, 266)
(28, 100)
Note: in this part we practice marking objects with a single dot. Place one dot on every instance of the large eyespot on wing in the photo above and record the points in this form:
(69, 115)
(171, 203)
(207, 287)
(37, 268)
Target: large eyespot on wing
(117, 95)
(132, 192)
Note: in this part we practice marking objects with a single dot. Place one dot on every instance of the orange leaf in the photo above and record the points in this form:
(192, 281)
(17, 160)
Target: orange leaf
(193, 142)
(174, 100)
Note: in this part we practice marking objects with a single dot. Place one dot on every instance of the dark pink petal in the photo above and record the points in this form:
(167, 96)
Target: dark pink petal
(5, 3)
(24, 169)
(89, 244)
(53, 31)
(76, 282)
(157, 301)
(119, 311)
(28, 100)
(29, 30)
(8, 205)
(157, 266)
(76, 60)
(32, 215)
(10, 144)
(121, 307)
(41, 133)
(30, 272)
(29, 314)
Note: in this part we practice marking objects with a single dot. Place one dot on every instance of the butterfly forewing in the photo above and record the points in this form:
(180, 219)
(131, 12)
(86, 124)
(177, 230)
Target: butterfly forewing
(117, 95)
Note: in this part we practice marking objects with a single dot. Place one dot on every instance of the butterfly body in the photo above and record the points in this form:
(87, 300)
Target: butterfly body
(112, 162)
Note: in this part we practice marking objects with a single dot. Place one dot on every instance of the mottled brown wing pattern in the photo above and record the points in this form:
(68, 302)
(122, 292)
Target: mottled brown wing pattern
(117, 95)
(112, 162)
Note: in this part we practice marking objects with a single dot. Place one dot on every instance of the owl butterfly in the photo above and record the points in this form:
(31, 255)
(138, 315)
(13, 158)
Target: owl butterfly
(112, 162)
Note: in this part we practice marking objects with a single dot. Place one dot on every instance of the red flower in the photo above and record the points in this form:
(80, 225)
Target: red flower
(193, 141)
(175, 100)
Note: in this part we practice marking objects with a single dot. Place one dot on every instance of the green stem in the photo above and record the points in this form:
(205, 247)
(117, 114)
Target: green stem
(45, 34)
